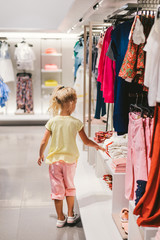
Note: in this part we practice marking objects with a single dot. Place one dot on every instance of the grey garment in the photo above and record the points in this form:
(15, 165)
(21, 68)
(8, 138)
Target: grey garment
(96, 73)
(110, 52)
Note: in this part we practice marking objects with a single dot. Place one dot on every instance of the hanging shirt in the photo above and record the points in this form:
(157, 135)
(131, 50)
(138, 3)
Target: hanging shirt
(121, 88)
(6, 67)
(24, 56)
(99, 46)
(78, 54)
(106, 70)
(152, 72)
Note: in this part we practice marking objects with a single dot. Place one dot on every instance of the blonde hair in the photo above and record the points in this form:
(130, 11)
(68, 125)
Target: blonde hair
(60, 96)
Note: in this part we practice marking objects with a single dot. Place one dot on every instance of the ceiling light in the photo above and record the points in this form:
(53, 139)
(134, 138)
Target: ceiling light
(100, 3)
(96, 6)
(69, 30)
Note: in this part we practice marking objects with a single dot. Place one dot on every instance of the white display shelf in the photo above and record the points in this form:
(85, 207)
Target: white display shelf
(117, 221)
(48, 87)
(52, 54)
(95, 203)
(105, 161)
(103, 166)
(51, 71)
(141, 233)
(23, 119)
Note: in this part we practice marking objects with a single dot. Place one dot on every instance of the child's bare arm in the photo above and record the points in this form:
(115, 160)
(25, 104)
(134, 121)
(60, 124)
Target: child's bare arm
(89, 142)
(43, 145)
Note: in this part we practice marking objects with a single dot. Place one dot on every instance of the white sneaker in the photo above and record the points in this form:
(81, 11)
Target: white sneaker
(73, 219)
(61, 223)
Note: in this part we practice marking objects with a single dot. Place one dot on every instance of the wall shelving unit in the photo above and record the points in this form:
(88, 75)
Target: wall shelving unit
(51, 74)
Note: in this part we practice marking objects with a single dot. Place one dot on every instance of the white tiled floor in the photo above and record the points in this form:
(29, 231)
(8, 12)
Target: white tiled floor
(26, 211)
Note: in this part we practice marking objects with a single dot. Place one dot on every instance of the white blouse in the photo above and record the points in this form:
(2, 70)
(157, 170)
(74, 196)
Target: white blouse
(152, 69)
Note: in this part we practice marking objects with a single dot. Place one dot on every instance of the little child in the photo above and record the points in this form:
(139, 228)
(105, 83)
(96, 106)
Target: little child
(63, 152)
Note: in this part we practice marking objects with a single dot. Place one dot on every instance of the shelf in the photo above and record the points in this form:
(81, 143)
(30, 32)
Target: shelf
(51, 71)
(106, 160)
(117, 221)
(48, 87)
(23, 119)
(95, 203)
(52, 54)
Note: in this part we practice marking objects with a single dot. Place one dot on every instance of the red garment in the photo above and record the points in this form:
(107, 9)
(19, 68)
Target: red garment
(148, 206)
(106, 70)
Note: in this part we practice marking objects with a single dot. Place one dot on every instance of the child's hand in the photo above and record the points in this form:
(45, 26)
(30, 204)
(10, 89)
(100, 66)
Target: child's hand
(100, 148)
(40, 160)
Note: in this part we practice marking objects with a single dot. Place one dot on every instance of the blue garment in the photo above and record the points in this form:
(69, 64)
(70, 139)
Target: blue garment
(119, 44)
(4, 93)
(78, 53)
(141, 186)
(100, 104)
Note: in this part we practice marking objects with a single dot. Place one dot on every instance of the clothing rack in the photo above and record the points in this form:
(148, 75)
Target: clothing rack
(89, 29)
(148, 4)
(124, 12)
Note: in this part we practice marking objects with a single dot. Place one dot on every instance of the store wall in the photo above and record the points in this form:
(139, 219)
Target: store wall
(67, 63)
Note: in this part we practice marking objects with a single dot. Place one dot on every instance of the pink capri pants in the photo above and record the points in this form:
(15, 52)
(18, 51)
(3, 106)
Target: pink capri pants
(62, 179)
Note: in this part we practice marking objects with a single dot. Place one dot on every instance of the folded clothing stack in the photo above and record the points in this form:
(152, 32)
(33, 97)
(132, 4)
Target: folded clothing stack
(119, 165)
(51, 83)
(102, 136)
(50, 51)
(117, 146)
(50, 67)
(108, 179)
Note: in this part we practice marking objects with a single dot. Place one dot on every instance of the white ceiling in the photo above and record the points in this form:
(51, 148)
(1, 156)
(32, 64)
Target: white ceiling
(53, 15)
(33, 14)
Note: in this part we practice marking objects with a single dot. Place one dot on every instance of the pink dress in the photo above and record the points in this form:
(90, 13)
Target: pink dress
(106, 70)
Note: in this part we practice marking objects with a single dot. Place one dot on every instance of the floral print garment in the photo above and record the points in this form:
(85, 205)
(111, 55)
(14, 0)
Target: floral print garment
(133, 65)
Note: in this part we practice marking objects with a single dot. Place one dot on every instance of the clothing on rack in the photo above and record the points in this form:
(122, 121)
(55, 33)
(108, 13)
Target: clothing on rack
(4, 93)
(6, 67)
(99, 47)
(148, 207)
(78, 55)
(95, 52)
(140, 190)
(152, 74)
(24, 92)
(110, 52)
(133, 66)
(122, 100)
(138, 160)
(119, 43)
(78, 86)
(24, 56)
(100, 104)
(106, 70)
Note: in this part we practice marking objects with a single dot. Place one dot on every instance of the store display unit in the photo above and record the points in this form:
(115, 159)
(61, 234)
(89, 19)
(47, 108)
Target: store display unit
(51, 68)
(102, 165)
(62, 58)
